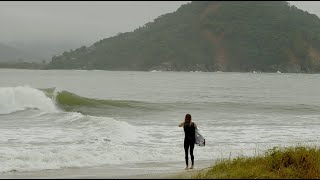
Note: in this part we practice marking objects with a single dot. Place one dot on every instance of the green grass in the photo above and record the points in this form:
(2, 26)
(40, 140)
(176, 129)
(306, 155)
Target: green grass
(284, 163)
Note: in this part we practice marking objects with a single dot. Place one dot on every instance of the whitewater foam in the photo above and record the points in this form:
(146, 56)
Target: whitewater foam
(14, 99)
(70, 139)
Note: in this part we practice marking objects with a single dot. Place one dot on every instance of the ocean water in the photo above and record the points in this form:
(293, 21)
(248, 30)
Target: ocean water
(55, 119)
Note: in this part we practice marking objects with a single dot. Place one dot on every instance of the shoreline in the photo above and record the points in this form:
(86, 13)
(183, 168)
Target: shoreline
(149, 170)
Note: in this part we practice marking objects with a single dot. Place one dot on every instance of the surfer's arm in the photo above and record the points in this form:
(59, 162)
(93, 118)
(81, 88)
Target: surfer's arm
(195, 126)
(181, 124)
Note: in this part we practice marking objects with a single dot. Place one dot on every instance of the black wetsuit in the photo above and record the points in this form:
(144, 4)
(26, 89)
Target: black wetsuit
(189, 140)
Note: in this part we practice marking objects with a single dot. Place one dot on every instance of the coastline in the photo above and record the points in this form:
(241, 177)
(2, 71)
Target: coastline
(150, 170)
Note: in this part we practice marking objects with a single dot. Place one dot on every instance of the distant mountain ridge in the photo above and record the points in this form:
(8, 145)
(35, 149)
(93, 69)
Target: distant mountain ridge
(13, 55)
(44, 50)
(243, 36)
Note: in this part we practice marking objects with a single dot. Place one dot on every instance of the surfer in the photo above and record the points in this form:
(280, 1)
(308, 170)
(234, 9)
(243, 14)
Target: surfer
(189, 138)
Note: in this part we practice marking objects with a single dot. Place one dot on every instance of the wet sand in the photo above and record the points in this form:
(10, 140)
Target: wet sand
(150, 170)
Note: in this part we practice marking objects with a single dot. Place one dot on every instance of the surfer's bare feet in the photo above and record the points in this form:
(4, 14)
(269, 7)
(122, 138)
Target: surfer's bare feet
(191, 167)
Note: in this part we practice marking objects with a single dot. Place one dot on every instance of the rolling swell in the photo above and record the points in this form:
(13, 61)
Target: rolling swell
(263, 106)
(72, 102)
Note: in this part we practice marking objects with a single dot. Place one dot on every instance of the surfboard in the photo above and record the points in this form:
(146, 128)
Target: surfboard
(200, 140)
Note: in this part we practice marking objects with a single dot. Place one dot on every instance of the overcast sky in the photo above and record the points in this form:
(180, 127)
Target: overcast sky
(86, 21)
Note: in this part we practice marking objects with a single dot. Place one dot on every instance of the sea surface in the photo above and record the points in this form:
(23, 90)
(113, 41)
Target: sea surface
(56, 119)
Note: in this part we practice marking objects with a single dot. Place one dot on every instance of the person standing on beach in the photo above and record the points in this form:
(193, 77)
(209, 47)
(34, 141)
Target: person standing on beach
(189, 138)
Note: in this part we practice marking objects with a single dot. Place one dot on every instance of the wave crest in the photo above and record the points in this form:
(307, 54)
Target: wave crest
(19, 98)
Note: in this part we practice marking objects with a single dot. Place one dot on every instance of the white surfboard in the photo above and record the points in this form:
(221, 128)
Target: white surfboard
(200, 141)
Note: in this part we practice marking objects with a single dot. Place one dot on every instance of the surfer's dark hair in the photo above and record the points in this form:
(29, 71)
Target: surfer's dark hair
(187, 119)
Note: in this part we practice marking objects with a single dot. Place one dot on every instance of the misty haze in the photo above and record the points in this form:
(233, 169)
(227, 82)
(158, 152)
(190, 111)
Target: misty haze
(45, 29)
(159, 89)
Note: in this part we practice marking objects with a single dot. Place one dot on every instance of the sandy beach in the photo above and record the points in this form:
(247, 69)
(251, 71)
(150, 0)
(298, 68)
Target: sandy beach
(130, 171)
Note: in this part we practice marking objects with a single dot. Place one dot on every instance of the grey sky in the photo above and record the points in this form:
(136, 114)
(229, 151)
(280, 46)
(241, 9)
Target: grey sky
(82, 21)
(86, 21)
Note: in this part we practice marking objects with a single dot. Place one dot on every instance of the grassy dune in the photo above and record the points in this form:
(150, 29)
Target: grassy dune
(283, 163)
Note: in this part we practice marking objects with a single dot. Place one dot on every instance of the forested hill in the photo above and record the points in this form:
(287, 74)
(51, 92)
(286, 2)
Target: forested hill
(240, 36)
